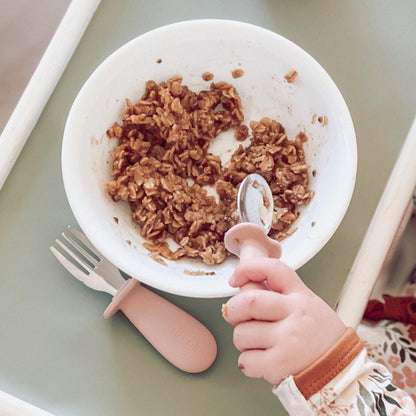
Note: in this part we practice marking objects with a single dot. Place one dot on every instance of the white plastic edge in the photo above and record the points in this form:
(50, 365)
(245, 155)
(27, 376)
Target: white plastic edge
(380, 234)
(43, 82)
(12, 406)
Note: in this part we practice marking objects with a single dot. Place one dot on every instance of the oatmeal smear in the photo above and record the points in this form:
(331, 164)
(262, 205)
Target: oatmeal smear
(162, 167)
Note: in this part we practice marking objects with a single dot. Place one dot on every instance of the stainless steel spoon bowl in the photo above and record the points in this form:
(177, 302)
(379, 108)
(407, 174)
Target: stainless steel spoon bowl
(255, 201)
(249, 239)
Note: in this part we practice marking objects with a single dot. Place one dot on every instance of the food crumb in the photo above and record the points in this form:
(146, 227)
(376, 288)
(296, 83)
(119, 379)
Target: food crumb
(313, 224)
(290, 77)
(154, 256)
(314, 119)
(314, 173)
(287, 234)
(224, 310)
(207, 76)
(302, 137)
(159, 61)
(266, 202)
(323, 120)
(198, 273)
(128, 242)
(115, 220)
(237, 73)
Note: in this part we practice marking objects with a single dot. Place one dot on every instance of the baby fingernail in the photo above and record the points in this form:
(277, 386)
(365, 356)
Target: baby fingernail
(231, 281)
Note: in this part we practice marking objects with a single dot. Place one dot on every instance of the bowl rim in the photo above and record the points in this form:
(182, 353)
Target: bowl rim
(163, 284)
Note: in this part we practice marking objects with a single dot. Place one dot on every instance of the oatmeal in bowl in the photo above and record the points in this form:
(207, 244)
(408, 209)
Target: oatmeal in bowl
(162, 166)
(155, 148)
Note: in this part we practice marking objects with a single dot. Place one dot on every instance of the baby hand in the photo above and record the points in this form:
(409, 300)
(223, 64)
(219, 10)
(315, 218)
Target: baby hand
(282, 330)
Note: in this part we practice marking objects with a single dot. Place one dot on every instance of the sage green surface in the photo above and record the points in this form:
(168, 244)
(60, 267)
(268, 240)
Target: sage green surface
(57, 351)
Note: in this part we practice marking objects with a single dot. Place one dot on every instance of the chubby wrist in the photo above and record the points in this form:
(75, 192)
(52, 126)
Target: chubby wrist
(328, 366)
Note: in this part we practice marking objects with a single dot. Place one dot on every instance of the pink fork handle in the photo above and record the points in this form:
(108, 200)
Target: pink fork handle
(247, 240)
(178, 336)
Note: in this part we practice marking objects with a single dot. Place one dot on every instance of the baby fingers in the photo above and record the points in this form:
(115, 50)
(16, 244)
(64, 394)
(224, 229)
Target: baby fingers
(255, 335)
(260, 364)
(279, 276)
(261, 305)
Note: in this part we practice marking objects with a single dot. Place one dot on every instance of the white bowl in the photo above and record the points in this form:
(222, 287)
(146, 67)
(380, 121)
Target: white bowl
(189, 49)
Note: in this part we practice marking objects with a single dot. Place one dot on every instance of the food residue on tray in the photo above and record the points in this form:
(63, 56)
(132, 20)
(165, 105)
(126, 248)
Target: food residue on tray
(237, 73)
(162, 166)
(157, 258)
(323, 120)
(291, 76)
(207, 76)
(198, 273)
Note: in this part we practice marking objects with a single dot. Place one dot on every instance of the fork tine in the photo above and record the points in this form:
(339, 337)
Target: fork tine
(91, 280)
(81, 237)
(71, 241)
(74, 256)
(75, 240)
(80, 275)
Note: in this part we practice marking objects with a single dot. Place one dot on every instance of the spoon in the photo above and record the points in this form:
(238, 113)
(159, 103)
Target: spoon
(249, 239)
(255, 201)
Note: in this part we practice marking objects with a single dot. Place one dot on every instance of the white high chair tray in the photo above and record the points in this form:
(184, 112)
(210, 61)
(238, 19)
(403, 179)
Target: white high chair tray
(389, 223)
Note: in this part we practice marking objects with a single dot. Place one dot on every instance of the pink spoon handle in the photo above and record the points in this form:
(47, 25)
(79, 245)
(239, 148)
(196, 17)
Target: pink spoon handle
(178, 336)
(247, 240)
